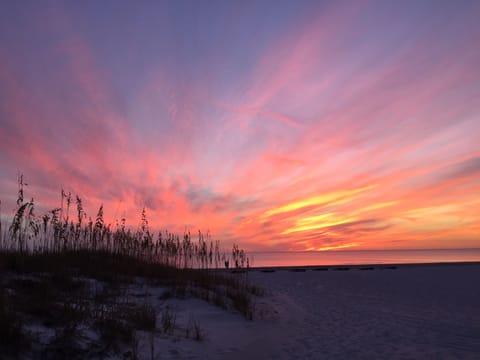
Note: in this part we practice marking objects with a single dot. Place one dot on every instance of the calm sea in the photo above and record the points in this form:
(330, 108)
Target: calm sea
(358, 257)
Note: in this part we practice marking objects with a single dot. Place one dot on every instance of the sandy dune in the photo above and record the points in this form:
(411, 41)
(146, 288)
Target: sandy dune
(412, 312)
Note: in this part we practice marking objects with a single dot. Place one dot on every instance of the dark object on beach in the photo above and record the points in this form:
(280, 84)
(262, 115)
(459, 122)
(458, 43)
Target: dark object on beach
(366, 268)
(237, 271)
(342, 269)
(267, 270)
(321, 269)
(390, 267)
(298, 270)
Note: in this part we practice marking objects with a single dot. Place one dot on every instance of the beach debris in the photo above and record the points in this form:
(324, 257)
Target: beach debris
(298, 270)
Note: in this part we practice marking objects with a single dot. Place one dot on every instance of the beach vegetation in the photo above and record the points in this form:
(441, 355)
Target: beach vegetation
(77, 279)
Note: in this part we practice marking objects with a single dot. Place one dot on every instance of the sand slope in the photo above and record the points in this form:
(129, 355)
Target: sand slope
(412, 312)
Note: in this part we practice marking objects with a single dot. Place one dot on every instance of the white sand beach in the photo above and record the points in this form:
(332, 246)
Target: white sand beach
(410, 312)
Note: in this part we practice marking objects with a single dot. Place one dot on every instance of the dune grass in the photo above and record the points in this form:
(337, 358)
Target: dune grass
(72, 277)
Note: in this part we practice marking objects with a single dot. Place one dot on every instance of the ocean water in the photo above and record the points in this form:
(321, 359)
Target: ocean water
(358, 257)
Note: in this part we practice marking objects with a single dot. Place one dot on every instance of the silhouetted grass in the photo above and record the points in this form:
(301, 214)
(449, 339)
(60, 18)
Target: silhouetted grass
(67, 273)
(56, 232)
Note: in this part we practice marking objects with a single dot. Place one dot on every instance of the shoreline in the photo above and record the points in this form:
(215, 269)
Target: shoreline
(344, 266)
(361, 258)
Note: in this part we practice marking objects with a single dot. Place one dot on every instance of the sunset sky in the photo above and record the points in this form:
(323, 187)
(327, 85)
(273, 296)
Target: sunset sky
(279, 125)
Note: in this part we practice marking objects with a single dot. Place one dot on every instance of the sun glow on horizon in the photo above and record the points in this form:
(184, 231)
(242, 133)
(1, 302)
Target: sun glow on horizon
(334, 247)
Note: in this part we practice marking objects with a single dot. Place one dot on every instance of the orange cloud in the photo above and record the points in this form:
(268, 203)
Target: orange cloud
(335, 198)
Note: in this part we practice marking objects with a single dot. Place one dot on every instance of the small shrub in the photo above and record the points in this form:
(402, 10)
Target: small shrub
(114, 333)
(219, 300)
(242, 302)
(194, 330)
(143, 317)
(167, 320)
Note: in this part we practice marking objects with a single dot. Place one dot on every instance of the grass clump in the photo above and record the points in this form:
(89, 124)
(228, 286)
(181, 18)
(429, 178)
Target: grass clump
(194, 330)
(143, 317)
(114, 334)
(168, 320)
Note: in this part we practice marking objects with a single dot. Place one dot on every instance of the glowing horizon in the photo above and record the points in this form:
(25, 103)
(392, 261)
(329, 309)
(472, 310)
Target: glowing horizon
(324, 125)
